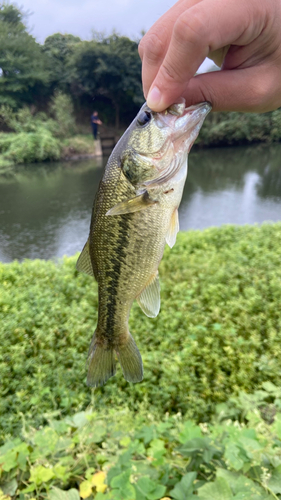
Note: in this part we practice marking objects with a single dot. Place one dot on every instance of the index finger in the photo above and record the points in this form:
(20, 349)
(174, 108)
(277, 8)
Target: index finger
(202, 28)
(154, 45)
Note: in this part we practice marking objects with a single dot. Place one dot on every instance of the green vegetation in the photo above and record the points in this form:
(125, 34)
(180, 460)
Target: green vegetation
(206, 421)
(105, 70)
(222, 129)
(116, 456)
(39, 137)
(218, 331)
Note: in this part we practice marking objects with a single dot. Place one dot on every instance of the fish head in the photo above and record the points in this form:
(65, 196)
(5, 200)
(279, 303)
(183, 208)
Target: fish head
(158, 143)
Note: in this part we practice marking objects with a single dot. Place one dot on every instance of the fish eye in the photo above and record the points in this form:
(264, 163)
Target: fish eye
(144, 118)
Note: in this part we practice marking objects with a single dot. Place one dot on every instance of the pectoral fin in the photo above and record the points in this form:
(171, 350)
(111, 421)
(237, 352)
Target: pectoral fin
(173, 230)
(218, 55)
(149, 299)
(84, 264)
(133, 205)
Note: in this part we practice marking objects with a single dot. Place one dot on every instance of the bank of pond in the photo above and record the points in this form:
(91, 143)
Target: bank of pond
(40, 137)
(205, 421)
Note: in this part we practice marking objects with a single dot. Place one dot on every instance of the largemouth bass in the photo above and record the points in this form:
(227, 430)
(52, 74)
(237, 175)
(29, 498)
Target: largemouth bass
(135, 214)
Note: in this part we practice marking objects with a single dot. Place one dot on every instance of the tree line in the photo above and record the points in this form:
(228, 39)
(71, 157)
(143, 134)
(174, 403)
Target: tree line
(103, 73)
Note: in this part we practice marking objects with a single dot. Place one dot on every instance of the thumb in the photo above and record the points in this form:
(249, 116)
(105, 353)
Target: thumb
(252, 89)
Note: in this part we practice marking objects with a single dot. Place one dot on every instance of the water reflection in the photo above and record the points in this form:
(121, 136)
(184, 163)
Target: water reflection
(45, 209)
(232, 185)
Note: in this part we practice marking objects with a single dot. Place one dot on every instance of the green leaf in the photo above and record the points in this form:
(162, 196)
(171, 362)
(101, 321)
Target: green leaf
(219, 490)
(146, 433)
(113, 472)
(148, 489)
(97, 434)
(125, 441)
(78, 420)
(57, 494)
(250, 489)
(230, 477)
(189, 431)
(127, 492)
(274, 482)
(122, 480)
(233, 456)
(199, 446)
(10, 487)
(184, 487)
(124, 490)
(9, 461)
(40, 474)
(277, 425)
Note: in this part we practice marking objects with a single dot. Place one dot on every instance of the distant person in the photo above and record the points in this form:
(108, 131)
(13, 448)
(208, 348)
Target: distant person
(95, 122)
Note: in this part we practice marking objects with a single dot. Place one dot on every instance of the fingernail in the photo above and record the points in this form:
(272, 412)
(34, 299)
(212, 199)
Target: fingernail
(154, 97)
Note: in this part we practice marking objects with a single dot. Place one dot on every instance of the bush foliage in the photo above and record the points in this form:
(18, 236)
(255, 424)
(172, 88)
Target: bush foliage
(116, 456)
(221, 129)
(218, 331)
(37, 137)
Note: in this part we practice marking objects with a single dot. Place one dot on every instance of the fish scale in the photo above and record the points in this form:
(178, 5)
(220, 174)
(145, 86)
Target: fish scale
(134, 216)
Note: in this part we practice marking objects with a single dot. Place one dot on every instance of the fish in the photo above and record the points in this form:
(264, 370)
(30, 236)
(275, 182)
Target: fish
(135, 214)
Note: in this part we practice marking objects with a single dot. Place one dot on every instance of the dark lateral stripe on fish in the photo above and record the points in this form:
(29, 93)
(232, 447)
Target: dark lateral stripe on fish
(114, 274)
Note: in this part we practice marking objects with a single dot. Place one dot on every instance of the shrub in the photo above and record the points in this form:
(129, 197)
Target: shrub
(120, 456)
(218, 331)
(80, 144)
(33, 146)
(240, 128)
(62, 109)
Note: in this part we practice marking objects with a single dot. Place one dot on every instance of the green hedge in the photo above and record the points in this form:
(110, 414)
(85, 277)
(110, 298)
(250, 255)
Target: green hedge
(118, 456)
(221, 129)
(218, 332)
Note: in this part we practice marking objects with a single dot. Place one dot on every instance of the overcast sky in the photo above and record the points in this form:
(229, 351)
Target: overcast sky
(81, 17)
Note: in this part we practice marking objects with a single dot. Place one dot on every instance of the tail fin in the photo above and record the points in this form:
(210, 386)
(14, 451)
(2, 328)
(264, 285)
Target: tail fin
(130, 360)
(102, 364)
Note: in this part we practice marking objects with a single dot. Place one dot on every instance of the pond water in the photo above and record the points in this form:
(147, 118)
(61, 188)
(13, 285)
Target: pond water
(45, 209)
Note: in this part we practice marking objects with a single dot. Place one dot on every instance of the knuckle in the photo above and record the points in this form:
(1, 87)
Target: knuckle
(190, 28)
(171, 73)
(152, 46)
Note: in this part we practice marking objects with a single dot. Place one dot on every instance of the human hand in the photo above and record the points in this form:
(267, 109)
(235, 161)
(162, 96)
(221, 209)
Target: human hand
(176, 45)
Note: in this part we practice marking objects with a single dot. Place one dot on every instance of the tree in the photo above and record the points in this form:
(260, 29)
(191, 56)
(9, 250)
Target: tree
(22, 72)
(58, 49)
(109, 67)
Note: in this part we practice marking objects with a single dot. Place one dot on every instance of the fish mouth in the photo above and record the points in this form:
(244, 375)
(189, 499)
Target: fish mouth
(188, 124)
(191, 118)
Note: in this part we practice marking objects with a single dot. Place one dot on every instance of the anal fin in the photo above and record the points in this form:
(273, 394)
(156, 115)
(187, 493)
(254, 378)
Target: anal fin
(84, 264)
(149, 299)
(173, 230)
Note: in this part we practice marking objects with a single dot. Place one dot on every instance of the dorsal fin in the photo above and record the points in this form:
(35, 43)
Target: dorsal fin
(173, 230)
(84, 264)
(149, 299)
